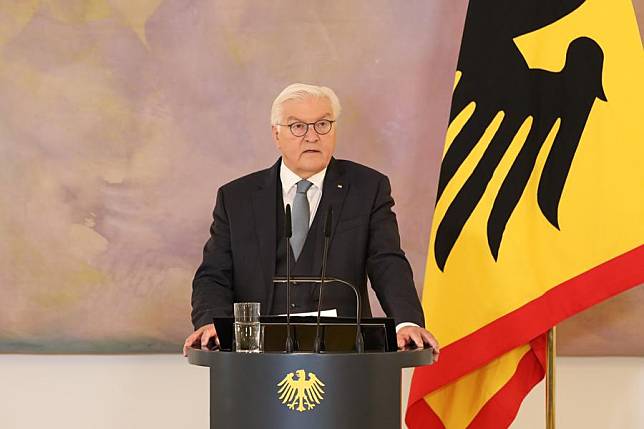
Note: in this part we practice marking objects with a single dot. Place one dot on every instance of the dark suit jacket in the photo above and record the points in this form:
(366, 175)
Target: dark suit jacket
(239, 258)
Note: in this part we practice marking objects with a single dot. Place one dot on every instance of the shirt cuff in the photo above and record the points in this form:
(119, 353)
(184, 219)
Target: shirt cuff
(404, 325)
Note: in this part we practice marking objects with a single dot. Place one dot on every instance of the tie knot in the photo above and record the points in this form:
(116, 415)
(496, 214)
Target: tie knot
(303, 186)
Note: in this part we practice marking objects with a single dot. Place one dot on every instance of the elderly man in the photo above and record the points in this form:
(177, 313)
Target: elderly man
(246, 249)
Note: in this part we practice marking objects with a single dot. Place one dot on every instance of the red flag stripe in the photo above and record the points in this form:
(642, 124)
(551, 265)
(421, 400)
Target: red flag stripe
(526, 323)
(421, 416)
(503, 407)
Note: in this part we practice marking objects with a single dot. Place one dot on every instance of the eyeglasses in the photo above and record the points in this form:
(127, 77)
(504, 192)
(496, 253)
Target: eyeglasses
(299, 129)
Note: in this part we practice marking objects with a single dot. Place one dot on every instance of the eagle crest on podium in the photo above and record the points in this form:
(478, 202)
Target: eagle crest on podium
(299, 393)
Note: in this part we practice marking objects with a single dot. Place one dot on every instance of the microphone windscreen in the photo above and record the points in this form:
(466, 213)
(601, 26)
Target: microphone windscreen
(329, 223)
(288, 227)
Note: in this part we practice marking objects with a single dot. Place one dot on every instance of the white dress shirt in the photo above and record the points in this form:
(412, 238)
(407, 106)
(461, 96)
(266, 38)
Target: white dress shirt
(289, 188)
(314, 195)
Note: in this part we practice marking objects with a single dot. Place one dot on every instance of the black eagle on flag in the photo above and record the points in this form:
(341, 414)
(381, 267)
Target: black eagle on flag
(496, 77)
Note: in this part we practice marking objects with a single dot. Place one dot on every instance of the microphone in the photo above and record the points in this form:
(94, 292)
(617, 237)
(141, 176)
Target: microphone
(318, 345)
(359, 343)
(288, 232)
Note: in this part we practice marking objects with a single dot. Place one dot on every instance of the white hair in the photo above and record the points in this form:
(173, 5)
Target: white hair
(299, 91)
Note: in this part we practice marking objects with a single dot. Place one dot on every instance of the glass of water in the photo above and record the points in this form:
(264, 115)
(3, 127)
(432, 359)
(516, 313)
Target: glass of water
(247, 327)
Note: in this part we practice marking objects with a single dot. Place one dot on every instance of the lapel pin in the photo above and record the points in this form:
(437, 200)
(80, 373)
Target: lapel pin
(340, 186)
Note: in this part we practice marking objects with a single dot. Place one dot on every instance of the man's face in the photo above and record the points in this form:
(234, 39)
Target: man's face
(312, 152)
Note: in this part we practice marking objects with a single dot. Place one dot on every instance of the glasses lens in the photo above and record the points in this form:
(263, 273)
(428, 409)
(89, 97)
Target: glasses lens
(299, 128)
(323, 126)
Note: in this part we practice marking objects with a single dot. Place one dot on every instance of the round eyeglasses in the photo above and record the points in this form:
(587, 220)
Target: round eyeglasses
(299, 129)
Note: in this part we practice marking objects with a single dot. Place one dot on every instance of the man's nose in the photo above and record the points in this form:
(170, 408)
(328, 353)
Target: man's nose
(311, 135)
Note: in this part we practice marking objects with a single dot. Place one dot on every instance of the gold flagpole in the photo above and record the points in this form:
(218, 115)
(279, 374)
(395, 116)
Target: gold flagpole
(550, 378)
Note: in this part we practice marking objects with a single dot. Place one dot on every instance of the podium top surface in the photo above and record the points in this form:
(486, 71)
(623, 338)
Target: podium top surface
(399, 359)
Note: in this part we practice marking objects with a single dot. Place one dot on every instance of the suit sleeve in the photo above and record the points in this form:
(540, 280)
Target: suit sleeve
(212, 287)
(387, 267)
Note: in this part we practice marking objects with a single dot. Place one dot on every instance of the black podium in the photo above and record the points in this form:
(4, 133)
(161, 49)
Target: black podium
(306, 390)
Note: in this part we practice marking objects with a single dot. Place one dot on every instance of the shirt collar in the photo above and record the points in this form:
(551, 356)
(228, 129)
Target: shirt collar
(289, 179)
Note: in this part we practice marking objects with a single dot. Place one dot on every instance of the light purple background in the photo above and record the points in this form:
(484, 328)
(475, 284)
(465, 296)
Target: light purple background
(119, 120)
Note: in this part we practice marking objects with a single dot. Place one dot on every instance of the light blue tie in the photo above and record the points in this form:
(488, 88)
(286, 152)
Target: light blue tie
(301, 215)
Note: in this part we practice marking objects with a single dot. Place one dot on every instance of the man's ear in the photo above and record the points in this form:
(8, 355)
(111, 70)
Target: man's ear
(276, 135)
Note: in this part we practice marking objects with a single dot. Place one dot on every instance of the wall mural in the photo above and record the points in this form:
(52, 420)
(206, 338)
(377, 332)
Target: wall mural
(119, 120)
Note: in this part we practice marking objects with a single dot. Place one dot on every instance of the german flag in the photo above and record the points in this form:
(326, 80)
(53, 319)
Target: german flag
(540, 208)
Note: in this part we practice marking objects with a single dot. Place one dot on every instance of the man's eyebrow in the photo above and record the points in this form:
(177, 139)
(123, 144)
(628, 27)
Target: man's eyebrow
(300, 120)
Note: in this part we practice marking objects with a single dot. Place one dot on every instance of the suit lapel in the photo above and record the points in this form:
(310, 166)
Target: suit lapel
(265, 214)
(334, 192)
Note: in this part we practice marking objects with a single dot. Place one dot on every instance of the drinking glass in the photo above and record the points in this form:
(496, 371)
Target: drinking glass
(247, 327)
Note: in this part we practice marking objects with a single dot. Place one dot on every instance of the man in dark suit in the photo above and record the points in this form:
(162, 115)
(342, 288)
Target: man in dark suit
(246, 249)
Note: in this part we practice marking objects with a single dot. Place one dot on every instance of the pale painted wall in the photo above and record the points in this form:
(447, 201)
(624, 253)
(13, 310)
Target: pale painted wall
(605, 393)
(163, 391)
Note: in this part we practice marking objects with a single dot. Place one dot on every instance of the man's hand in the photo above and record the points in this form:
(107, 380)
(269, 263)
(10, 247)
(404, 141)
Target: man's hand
(201, 337)
(419, 336)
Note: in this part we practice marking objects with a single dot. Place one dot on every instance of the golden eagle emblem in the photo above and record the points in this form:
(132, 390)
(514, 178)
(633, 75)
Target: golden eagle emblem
(299, 393)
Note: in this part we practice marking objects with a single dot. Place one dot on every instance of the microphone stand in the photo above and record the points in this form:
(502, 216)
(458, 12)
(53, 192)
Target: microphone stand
(288, 232)
(359, 337)
(318, 345)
